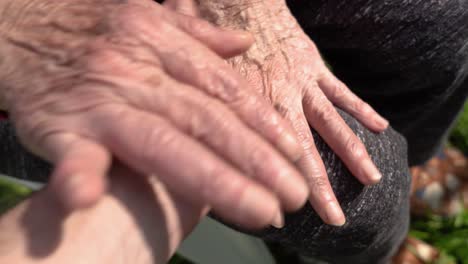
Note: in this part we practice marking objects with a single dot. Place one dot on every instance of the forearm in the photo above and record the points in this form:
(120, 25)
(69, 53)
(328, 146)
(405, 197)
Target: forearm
(136, 223)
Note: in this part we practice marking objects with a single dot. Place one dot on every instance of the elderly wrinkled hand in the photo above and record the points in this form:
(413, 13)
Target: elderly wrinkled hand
(89, 80)
(286, 68)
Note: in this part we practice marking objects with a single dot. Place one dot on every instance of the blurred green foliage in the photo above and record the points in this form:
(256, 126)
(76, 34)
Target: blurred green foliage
(11, 194)
(448, 234)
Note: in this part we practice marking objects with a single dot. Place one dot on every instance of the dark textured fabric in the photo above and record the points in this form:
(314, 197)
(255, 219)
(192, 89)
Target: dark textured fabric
(377, 216)
(16, 161)
(409, 59)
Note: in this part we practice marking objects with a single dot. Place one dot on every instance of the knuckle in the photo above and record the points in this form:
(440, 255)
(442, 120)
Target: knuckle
(307, 142)
(199, 26)
(305, 137)
(326, 113)
(194, 120)
(355, 147)
(218, 177)
(210, 117)
(264, 166)
(314, 174)
(155, 139)
(282, 108)
(362, 107)
(339, 91)
(227, 86)
(317, 180)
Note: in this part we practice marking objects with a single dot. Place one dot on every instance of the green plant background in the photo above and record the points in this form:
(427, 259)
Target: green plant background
(449, 235)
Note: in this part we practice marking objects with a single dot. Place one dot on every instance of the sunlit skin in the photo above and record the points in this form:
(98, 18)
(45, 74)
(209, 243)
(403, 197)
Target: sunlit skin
(149, 85)
(286, 68)
(136, 221)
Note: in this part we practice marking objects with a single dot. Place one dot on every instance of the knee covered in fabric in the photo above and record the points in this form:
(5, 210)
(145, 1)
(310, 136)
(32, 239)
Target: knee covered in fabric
(377, 216)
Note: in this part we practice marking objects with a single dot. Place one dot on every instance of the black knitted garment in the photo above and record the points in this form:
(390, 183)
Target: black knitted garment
(408, 59)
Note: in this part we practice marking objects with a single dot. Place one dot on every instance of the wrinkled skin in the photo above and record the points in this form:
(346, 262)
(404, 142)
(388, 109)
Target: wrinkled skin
(285, 67)
(89, 80)
(104, 79)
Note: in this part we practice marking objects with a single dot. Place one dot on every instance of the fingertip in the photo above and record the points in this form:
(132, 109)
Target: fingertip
(278, 220)
(371, 173)
(334, 215)
(244, 37)
(294, 192)
(382, 123)
(87, 192)
(370, 118)
(259, 208)
(237, 41)
(78, 191)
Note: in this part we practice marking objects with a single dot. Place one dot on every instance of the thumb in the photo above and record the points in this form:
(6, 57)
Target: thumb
(183, 14)
(80, 175)
(226, 43)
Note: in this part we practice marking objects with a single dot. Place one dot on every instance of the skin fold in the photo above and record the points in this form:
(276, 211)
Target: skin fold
(102, 75)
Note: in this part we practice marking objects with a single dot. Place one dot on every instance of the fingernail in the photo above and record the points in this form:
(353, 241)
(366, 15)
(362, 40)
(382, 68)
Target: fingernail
(382, 122)
(371, 171)
(335, 215)
(278, 220)
(289, 144)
